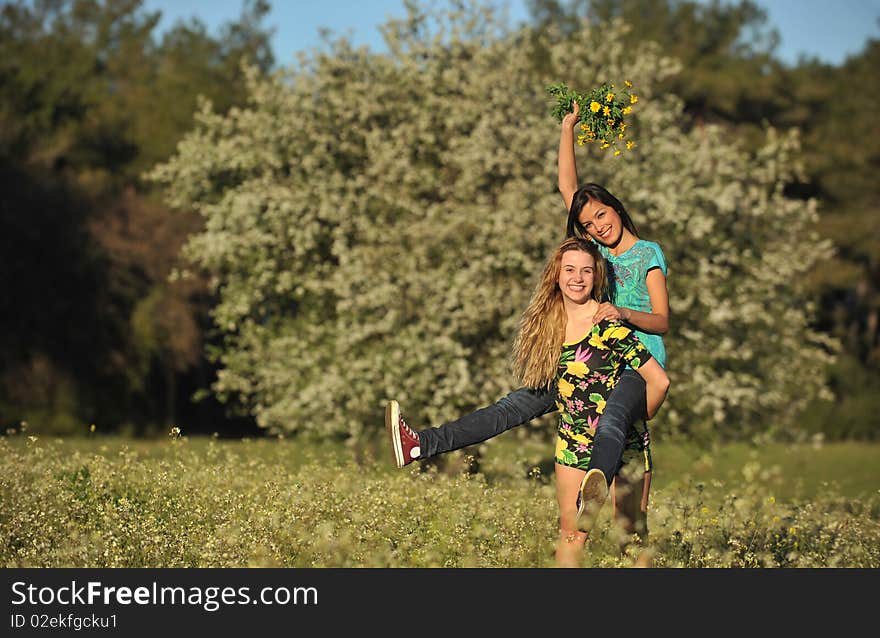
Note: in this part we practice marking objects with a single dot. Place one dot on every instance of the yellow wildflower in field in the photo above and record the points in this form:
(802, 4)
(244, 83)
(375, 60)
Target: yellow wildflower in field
(606, 110)
(609, 97)
(633, 99)
(630, 144)
(627, 110)
(617, 152)
(595, 106)
(627, 84)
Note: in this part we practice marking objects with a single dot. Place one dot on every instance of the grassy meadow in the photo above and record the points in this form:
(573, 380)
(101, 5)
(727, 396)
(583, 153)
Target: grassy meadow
(204, 502)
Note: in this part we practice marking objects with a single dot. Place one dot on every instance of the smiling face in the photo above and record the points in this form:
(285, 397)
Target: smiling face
(577, 274)
(601, 222)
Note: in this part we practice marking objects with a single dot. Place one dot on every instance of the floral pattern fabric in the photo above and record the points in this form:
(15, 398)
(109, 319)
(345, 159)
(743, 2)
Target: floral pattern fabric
(587, 373)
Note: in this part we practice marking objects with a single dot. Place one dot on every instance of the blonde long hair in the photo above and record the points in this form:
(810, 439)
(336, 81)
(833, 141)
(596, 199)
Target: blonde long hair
(541, 332)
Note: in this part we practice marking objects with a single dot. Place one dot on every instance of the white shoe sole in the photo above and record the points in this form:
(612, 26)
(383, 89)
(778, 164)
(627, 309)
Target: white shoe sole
(392, 425)
(594, 491)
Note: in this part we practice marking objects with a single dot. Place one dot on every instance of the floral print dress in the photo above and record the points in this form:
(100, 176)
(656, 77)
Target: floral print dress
(588, 371)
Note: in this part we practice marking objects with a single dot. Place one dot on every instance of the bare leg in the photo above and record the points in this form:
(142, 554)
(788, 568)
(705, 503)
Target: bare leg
(630, 499)
(570, 545)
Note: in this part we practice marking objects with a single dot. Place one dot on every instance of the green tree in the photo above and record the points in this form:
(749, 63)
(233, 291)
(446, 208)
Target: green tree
(726, 48)
(374, 224)
(88, 99)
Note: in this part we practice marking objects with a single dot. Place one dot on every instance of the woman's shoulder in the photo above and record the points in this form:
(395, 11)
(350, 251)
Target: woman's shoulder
(647, 244)
(611, 328)
(651, 253)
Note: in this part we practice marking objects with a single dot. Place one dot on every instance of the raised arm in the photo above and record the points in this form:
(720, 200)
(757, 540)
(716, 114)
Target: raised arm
(568, 179)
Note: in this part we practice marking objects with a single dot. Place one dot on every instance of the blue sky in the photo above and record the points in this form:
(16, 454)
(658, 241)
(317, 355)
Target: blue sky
(828, 29)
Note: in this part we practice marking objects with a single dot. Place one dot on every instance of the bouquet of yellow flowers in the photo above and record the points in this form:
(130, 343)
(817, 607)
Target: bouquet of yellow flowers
(602, 112)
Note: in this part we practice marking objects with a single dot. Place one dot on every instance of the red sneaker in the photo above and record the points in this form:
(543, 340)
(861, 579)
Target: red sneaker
(404, 441)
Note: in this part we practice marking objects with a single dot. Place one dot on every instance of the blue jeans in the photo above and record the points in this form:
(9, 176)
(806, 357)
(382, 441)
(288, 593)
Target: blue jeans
(518, 407)
(626, 405)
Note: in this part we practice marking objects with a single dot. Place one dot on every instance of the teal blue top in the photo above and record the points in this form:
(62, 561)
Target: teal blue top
(629, 287)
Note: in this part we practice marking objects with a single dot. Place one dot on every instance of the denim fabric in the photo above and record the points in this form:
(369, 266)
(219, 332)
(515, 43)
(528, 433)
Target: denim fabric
(518, 407)
(626, 405)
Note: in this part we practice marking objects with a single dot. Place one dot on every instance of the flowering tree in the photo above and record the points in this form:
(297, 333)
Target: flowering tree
(374, 225)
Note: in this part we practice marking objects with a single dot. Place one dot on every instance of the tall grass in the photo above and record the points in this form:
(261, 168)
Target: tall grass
(210, 503)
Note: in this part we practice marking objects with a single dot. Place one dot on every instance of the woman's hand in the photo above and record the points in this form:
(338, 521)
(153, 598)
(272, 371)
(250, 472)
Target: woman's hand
(571, 119)
(610, 312)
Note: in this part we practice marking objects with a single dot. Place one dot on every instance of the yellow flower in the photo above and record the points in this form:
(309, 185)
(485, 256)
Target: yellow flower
(620, 136)
(605, 145)
(596, 342)
(616, 153)
(577, 368)
(580, 438)
(565, 388)
(595, 106)
(622, 127)
(617, 332)
(606, 110)
(609, 97)
(633, 99)
(627, 110)
(630, 144)
(561, 445)
(627, 84)
(584, 127)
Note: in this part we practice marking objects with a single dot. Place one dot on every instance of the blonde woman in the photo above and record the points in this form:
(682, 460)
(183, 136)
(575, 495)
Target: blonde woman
(560, 347)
